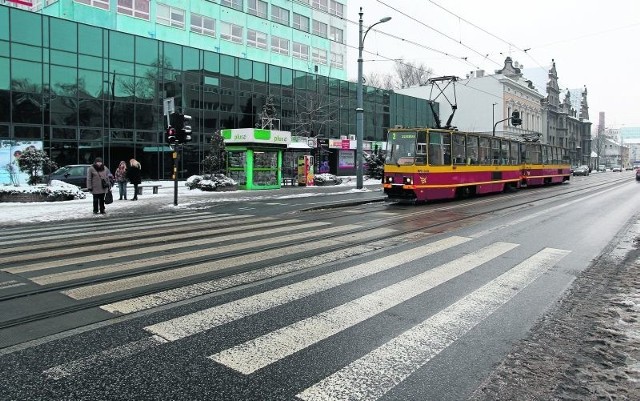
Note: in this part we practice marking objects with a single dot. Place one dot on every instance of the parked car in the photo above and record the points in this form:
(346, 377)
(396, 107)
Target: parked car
(638, 174)
(602, 168)
(616, 169)
(75, 174)
(582, 170)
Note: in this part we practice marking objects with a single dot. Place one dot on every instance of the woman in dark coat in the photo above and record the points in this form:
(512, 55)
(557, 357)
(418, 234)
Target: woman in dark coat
(134, 173)
(95, 175)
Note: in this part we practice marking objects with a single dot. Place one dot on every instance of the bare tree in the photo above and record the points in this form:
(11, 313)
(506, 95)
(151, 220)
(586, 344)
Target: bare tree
(412, 74)
(314, 112)
(380, 80)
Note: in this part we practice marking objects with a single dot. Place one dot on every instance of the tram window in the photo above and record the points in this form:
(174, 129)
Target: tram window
(439, 148)
(484, 153)
(536, 157)
(421, 153)
(513, 160)
(472, 150)
(495, 151)
(459, 149)
(545, 155)
(504, 152)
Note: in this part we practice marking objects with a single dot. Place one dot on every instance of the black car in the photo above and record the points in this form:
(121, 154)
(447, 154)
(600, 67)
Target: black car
(75, 174)
(582, 170)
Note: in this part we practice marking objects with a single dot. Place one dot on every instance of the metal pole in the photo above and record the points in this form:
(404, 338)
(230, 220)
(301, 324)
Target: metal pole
(359, 111)
(175, 176)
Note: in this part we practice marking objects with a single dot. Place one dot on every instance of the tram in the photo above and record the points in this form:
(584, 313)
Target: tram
(424, 164)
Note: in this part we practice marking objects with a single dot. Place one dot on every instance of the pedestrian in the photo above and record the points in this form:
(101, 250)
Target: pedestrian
(98, 184)
(121, 179)
(134, 175)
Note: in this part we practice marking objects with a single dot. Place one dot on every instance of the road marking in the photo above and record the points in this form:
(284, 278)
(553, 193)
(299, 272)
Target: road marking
(252, 355)
(177, 246)
(191, 270)
(374, 374)
(10, 284)
(123, 351)
(196, 290)
(194, 323)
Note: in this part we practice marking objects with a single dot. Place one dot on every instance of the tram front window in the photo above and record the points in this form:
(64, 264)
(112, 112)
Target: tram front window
(401, 148)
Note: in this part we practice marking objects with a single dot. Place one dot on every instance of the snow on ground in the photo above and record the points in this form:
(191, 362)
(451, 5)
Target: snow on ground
(15, 213)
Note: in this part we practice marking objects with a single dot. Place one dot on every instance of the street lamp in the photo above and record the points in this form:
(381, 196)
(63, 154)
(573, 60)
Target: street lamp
(493, 121)
(360, 103)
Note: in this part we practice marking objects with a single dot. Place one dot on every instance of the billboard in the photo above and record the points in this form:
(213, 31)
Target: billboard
(10, 151)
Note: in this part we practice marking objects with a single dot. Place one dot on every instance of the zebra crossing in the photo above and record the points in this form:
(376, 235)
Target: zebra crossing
(367, 377)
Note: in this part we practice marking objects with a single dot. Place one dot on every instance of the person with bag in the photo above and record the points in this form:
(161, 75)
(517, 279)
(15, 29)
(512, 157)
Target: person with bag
(121, 179)
(134, 174)
(98, 184)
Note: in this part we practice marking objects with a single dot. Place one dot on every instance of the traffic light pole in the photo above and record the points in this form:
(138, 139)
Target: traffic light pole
(175, 176)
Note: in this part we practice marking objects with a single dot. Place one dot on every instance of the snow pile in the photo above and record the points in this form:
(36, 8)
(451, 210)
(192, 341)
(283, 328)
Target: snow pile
(213, 182)
(56, 190)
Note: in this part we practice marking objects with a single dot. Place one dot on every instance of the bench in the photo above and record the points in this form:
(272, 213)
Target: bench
(153, 186)
(289, 181)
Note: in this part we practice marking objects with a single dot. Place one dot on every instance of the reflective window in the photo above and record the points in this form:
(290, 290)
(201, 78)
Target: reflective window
(301, 22)
(4, 23)
(121, 46)
(64, 80)
(26, 76)
(90, 40)
(191, 58)
(231, 32)
(5, 79)
(26, 52)
(103, 4)
(134, 8)
(237, 4)
(211, 62)
(227, 65)
(259, 71)
(146, 51)
(280, 45)
(171, 16)
(257, 39)
(274, 74)
(26, 28)
(203, 25)
(258, 8)
(63, 35)
(245, 69)
(172, 57)
(63, 58)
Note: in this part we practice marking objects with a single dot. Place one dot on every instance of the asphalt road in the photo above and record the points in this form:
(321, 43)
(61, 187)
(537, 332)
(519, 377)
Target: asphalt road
(365, 302)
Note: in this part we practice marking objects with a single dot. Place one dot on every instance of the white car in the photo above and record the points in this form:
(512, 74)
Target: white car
(616, 169)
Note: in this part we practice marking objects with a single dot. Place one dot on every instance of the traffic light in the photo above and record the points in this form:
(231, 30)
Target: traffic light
(185, 129)
(176, 121)
(171, 136)
(181, 125)
(515, 119)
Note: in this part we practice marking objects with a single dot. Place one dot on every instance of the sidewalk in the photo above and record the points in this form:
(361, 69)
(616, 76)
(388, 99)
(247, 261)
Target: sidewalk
(14, 214)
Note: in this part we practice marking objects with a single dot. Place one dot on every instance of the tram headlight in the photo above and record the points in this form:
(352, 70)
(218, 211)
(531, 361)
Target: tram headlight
(389, 179)
(407, 180)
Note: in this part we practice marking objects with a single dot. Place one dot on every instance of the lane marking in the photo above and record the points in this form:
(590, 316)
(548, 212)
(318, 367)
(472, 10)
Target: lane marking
(184, 326)
(253, 355)
(374, 374)
(143, 280)
(10, 284)
(196, 290)
(83, 364)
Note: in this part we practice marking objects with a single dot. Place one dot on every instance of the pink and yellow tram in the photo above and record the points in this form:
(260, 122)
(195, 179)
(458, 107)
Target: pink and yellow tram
(425, 164)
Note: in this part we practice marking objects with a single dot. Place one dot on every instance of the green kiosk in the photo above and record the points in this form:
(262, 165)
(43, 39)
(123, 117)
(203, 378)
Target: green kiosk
(254, 156)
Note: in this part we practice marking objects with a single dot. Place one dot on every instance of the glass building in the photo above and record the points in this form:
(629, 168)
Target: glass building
(86, 91)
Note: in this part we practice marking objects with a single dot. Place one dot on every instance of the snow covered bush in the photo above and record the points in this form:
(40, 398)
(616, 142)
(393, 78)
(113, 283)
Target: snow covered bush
(327, 179)
(56, 191)
(211, 182)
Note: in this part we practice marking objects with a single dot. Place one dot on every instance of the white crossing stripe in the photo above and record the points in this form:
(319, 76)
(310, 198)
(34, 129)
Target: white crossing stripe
(374, 374)
(176, 246)
(194, 323)
(80, 365)
(256, 354)
(194, 269)
(10, 284)
(195, 290)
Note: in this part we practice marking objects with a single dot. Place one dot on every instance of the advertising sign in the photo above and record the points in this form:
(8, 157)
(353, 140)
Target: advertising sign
(346, 159)
(10, 152)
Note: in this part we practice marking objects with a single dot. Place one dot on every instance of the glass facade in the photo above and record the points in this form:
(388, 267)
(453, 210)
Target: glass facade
(87, 91)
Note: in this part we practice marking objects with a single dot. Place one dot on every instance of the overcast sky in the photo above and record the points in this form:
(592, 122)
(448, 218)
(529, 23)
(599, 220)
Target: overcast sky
(593, 42)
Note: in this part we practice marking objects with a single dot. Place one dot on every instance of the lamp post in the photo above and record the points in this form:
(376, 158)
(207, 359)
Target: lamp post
(493, 120)
(360, 102)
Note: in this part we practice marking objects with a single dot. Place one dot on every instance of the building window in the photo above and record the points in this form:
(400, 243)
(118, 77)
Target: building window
(279, 45)
(103, 4)
(237, 4)
(301, 22)
(203, 25)
(337, 60)
(258, 8)
(257, 39)
(300, 51)
(279, 15)
(322, 5)
(134, 8)
(336, 34)
(231, 32)
(336, 8)
(319, 28)
(319, 56)
(170, 16)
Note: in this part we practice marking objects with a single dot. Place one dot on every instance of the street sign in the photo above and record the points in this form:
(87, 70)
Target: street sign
(168, 106)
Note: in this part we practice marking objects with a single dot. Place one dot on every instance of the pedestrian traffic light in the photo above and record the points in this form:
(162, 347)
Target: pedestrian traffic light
(176, 121)
(171, 136)
(515, 119)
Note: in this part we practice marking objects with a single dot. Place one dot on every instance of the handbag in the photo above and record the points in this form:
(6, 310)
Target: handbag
(105, 183)
(108, 198)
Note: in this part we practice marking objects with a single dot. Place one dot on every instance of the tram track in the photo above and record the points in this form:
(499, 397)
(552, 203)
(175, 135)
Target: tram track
(495, 204)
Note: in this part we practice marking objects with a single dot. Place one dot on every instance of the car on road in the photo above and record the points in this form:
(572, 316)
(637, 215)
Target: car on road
(75, 174)
(581, 170)
(638, 174)
(616, 169)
